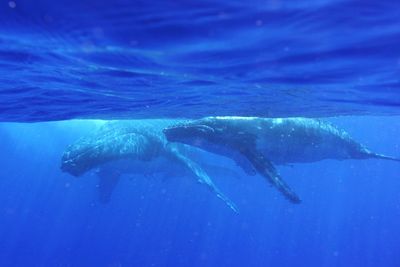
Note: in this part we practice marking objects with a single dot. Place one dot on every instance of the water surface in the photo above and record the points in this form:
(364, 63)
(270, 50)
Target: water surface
(151, 59)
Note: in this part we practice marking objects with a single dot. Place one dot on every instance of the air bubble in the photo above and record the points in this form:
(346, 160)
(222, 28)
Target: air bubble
(12, 4)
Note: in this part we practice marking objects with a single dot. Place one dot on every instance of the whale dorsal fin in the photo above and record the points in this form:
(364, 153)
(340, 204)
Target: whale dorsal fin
(267, 169)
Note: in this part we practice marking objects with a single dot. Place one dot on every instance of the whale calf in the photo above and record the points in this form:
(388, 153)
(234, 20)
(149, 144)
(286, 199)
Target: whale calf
(130, 146)
(260, 143)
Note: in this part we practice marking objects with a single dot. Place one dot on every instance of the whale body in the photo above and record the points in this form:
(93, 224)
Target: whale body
(130, 146)
(260, 143)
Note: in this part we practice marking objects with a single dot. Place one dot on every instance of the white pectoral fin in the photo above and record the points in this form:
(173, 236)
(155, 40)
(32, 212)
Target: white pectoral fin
(203, 178)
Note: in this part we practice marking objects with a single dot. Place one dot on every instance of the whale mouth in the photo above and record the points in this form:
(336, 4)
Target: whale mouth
(75, 160)
(71, 167)
(73, 164)
(175, 133)
(170, 132)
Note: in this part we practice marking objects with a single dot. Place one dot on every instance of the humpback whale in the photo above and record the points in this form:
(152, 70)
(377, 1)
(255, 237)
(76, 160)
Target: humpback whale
(120, 147)
(260, 143)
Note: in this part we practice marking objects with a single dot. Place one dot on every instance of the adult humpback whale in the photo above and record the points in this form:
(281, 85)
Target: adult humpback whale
(263, 142)
(130, 145)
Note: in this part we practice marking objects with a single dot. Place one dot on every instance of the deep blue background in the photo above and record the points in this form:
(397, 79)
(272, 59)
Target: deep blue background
(349, 215)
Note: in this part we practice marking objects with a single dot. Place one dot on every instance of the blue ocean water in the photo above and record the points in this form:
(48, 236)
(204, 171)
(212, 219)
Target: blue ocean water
(69, 65)
(141, 59)
(348, 217)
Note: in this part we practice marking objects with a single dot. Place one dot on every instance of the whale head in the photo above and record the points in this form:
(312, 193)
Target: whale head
(78, 159)
(219, 135)
(190, 134)
(199, 133)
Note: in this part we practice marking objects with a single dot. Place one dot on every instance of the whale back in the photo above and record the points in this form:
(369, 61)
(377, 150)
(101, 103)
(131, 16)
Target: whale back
(281, 140)
(298, 140)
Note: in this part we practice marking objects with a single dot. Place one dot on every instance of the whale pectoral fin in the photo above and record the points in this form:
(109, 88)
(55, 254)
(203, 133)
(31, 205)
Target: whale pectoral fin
(202, 177)
(108, 180)
(267, 169)
(245, 164)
